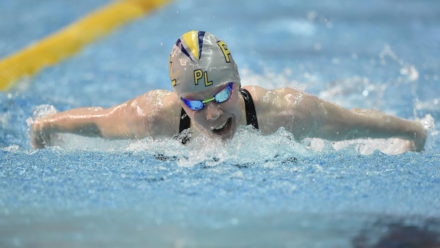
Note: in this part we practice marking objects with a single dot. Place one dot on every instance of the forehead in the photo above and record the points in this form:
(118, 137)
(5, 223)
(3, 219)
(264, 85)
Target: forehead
(208, 92)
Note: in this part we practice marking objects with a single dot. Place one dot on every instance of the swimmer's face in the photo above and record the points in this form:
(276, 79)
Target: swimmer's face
(218, 120)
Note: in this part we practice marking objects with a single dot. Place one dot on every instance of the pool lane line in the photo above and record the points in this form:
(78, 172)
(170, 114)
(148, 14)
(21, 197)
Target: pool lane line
(71, 39)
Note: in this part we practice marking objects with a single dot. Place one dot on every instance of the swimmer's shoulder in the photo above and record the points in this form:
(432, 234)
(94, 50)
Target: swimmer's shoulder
(275, 107)
(162, 102)
(256, 92)
(160, 110)
(271, 97)
(158, 98)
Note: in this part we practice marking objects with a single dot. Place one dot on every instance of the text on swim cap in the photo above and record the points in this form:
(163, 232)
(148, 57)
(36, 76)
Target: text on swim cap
(199, 74)
(225, 50)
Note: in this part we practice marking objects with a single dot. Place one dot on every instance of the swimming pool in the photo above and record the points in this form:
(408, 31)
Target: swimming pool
(256, 191)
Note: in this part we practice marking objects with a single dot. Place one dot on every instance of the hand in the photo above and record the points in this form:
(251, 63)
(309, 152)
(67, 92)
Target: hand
(419, 138)
(42, 135)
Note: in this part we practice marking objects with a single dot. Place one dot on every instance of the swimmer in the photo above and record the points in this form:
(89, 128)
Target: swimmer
(208, 99)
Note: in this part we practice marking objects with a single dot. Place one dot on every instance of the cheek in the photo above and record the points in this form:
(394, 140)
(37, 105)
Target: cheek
(197, 117)
(233, 105)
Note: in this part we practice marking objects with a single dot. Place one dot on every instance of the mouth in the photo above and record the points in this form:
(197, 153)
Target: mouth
(224, 128)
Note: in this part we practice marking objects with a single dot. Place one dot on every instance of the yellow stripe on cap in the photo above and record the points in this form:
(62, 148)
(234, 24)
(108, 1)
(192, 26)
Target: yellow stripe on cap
(66, 42)
(191, 40)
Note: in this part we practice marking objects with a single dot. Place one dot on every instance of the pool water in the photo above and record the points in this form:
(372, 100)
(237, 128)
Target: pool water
(253, 191)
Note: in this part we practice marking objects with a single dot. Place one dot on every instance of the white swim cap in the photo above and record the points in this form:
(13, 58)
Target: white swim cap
(200, 60)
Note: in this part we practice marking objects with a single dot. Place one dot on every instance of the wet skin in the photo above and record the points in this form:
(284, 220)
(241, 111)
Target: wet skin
(219, 120)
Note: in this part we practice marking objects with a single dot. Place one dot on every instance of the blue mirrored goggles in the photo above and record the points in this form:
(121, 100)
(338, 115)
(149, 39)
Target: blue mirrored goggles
(221, 97)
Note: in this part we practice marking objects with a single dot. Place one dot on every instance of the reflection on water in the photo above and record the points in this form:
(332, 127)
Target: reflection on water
(399, 234)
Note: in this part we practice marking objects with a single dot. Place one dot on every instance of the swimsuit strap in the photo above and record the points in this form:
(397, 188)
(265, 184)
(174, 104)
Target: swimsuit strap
(251, 115)
(185, 121)
(184, 134)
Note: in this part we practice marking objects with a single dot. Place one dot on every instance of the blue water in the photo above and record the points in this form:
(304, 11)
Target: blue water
(254, 191)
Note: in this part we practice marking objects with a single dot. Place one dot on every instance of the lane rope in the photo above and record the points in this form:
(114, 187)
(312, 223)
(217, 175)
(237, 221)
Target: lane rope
(71, 39)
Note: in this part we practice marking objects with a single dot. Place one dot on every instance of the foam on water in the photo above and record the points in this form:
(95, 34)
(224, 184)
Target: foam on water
(247, 147)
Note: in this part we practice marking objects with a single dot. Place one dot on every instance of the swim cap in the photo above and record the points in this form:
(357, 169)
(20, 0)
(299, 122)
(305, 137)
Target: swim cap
(200, 60)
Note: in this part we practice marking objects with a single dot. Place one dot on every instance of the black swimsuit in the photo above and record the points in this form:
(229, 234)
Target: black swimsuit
(251, 117)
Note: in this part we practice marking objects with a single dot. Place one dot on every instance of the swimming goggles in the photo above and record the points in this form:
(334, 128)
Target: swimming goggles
(221, 97)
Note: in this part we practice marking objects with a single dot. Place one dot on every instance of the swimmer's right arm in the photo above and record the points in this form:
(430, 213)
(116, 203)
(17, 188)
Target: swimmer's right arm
(155, 113)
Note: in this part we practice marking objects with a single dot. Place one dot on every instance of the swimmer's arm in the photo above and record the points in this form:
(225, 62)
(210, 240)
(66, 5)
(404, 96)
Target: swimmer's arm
(153, 114)
(329, 121)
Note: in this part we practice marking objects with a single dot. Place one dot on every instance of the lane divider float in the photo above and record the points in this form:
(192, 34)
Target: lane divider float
(71, 39)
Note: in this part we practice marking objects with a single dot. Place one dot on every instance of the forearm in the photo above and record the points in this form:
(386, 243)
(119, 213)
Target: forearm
(374, 124)
(76, 121)
(380, 125)
(80, 121)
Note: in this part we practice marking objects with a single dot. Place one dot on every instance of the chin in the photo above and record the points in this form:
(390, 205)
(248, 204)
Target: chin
(225, 131)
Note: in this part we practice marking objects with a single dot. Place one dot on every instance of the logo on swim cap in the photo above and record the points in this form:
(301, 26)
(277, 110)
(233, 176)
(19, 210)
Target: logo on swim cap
(199, 60)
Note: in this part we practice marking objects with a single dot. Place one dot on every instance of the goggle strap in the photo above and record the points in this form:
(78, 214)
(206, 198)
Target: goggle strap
(208, 100)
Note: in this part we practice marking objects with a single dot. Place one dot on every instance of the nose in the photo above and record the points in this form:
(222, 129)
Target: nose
(213, 111)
